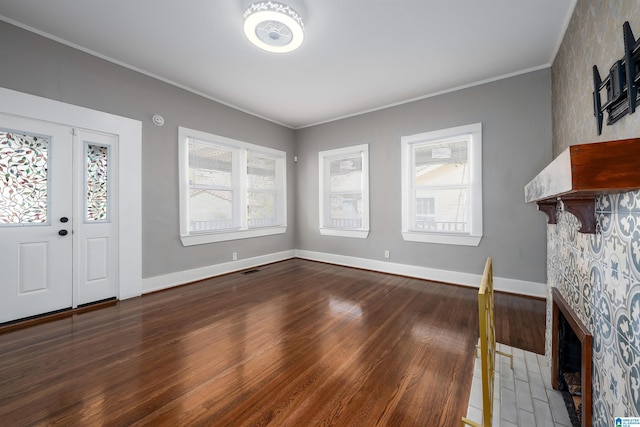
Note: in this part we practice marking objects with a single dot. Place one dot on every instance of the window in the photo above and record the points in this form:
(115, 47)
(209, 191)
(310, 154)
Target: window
(24, 161)
(344, 191)
(425, 211)
(96, 181)
(229, 189)
(442, 186)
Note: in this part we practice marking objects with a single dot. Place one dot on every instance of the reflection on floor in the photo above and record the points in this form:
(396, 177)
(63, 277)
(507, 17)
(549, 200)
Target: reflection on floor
(522, 396)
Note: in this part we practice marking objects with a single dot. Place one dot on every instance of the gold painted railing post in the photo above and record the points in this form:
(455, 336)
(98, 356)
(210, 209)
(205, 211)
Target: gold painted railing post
(487, 341)
(486, 317)
(468, 422)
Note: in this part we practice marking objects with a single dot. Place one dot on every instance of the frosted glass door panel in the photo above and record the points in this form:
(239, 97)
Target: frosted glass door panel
(24, 189)
(97, 183)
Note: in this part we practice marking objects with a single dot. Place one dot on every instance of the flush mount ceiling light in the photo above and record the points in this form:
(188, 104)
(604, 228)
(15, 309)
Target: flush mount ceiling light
(274, 27)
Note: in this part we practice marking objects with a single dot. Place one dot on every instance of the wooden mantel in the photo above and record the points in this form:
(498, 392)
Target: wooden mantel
(581, 173)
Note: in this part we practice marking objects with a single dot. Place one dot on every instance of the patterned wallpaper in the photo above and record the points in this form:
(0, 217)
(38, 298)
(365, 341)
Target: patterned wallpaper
(594, 37)
(599, 275)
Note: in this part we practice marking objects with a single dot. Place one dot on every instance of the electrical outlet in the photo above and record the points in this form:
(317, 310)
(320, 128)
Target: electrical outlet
(234, 256)
(386, 254)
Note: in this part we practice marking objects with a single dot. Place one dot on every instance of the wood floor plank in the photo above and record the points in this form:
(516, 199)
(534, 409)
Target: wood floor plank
(297, 343)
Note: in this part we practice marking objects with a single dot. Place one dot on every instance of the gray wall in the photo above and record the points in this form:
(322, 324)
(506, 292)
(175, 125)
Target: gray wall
(516, 118)
(516, 121)
(42, 67)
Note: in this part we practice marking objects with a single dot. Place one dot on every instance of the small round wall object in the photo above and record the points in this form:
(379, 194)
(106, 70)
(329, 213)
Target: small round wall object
(158, 120)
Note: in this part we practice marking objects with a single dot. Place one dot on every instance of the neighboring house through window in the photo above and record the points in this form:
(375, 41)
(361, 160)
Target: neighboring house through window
(229, 189)
(344, 191)
(442, 186)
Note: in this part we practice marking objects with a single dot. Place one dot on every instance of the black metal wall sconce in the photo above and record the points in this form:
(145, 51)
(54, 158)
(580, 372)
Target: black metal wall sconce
(621, 85)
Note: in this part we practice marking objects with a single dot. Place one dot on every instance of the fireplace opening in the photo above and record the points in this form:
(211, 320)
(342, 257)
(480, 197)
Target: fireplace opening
(571, 354)
(570, 370)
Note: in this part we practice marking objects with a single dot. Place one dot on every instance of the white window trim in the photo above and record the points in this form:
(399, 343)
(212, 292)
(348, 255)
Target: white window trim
(359, 150)
(189, 239)
(475, 162)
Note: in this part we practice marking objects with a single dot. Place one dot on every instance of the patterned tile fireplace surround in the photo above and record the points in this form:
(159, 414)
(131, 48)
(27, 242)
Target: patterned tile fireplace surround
(599, 276)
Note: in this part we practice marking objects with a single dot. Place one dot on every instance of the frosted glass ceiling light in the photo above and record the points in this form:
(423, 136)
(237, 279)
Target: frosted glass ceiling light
(274, 27)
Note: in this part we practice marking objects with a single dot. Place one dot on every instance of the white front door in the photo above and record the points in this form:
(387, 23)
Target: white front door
(58, 246)
(35, 217)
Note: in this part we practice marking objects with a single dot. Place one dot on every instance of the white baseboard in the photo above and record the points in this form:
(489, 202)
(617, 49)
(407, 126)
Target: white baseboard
(158, 283)
(515, 286)
(521, 287)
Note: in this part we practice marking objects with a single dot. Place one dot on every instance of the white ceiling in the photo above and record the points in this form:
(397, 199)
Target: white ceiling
(358, 55)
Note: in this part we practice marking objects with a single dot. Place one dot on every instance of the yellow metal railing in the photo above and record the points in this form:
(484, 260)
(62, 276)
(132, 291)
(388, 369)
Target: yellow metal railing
(487, 346)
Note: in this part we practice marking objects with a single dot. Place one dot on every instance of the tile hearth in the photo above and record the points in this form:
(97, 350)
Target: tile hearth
(522, 397)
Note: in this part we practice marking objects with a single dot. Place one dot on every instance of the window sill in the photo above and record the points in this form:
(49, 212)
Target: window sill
(204, 238)
(445, 239)
(359, 234)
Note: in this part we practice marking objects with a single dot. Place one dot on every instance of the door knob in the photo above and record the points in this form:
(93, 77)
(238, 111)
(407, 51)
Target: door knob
(63, 232)
(64, 219)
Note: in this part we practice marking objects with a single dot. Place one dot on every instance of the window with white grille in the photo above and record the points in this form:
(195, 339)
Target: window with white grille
(344, 191)
(442, 186)
(263, 191)
(229, 189)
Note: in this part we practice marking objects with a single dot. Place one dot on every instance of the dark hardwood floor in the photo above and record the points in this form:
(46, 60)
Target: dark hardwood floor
(520, 322)
(297, 343)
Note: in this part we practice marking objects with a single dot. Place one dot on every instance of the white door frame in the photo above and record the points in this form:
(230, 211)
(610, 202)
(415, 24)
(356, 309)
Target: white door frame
(129, 190)
(95, 243)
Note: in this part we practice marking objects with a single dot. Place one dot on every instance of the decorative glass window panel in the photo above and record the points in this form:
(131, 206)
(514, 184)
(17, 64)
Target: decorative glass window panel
(262, 192)
(97, 183)
(344, 191)
(442, 186)
(23, 178)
